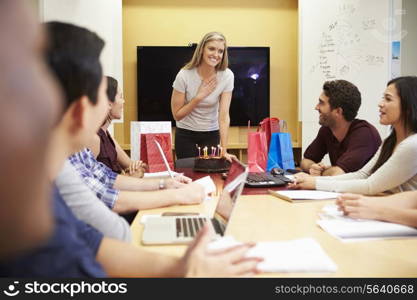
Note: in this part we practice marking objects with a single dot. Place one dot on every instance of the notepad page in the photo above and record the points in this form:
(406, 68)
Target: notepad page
(342, 227)
(294, 256)
(208, 184)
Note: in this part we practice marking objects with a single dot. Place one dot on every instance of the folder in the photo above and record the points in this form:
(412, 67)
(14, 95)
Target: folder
(303, 195)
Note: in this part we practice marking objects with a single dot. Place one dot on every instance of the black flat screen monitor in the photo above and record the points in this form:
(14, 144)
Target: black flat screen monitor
(158, 65)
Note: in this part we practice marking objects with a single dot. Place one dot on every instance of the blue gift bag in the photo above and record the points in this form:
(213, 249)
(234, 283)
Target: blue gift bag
(280, 152)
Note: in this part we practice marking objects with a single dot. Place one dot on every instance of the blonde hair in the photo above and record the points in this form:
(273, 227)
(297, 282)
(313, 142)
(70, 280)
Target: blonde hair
(198, 53)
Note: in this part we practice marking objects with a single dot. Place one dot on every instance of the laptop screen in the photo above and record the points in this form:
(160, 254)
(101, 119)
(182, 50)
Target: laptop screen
(233, 187)
(236, 169)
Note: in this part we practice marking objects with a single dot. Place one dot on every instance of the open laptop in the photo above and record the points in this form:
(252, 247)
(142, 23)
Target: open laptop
(266, 179)
(182, 229)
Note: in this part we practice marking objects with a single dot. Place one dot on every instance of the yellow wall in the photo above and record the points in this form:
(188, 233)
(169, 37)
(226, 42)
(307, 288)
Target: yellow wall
(272, 23)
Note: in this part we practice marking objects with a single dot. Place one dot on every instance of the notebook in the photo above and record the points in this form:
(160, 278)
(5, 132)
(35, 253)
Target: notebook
(303, 195)
(295, 256)
(182, 229)
(349, 230)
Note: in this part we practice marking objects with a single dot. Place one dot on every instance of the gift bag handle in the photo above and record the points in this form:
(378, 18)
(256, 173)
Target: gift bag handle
(283, 126)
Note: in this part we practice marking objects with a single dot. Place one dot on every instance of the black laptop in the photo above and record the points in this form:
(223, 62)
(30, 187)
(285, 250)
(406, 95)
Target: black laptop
(265, 179)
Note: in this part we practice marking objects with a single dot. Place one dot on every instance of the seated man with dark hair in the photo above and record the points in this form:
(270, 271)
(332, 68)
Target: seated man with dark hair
(350, 142)
(76, 249)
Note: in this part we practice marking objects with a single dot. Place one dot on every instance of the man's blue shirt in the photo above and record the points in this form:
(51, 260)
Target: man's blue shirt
(69, 252)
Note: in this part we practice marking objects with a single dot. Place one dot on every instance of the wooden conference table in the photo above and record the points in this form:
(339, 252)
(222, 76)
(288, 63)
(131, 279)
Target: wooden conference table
(262, 217)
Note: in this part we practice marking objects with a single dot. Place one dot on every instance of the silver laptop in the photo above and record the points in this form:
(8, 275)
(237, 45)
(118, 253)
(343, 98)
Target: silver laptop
(182, 229)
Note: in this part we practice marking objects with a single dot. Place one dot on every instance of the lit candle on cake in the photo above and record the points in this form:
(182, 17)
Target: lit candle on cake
(199, 150)
(205, 151)
(213, 151)
(218, 150)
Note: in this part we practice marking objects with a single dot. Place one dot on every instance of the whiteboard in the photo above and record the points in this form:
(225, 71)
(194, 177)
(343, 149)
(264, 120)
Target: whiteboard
(343, 39)
(101, 16)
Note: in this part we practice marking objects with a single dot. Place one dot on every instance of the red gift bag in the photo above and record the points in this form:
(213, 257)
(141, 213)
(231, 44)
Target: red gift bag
(150, 154)
(269, 126)
(257, 151)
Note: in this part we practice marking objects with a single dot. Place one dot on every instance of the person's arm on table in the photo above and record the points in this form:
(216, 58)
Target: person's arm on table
(399, 208)
(129, 201)
(319, 169)
(306, 164)
(333, 171)
(125, 260)
(303, 181)
(400, 167)
(127, 183)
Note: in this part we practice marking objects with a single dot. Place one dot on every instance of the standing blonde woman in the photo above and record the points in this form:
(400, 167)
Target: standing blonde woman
(201, 97)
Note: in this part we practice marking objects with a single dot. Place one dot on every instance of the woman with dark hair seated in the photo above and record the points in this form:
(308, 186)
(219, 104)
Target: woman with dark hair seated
(104, 147)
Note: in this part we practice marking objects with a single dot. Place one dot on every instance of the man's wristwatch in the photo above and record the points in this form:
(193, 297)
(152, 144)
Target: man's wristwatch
(161, 184)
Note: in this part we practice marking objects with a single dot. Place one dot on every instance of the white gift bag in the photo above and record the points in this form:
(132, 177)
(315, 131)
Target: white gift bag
(139, 127)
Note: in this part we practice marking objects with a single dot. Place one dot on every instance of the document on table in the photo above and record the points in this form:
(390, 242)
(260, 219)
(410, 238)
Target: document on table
(303, 195)
(208, 184)
(349, 230)
(295, 256)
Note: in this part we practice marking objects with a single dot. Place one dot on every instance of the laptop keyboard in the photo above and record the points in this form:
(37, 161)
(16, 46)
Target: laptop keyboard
(266, 180)
(189, 227)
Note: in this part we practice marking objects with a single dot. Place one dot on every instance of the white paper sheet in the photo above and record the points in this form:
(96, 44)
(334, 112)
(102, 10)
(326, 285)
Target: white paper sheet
(207, 183)
(294, 256)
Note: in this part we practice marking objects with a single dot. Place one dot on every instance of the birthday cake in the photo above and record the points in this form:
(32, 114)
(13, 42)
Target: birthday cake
(210, 164)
